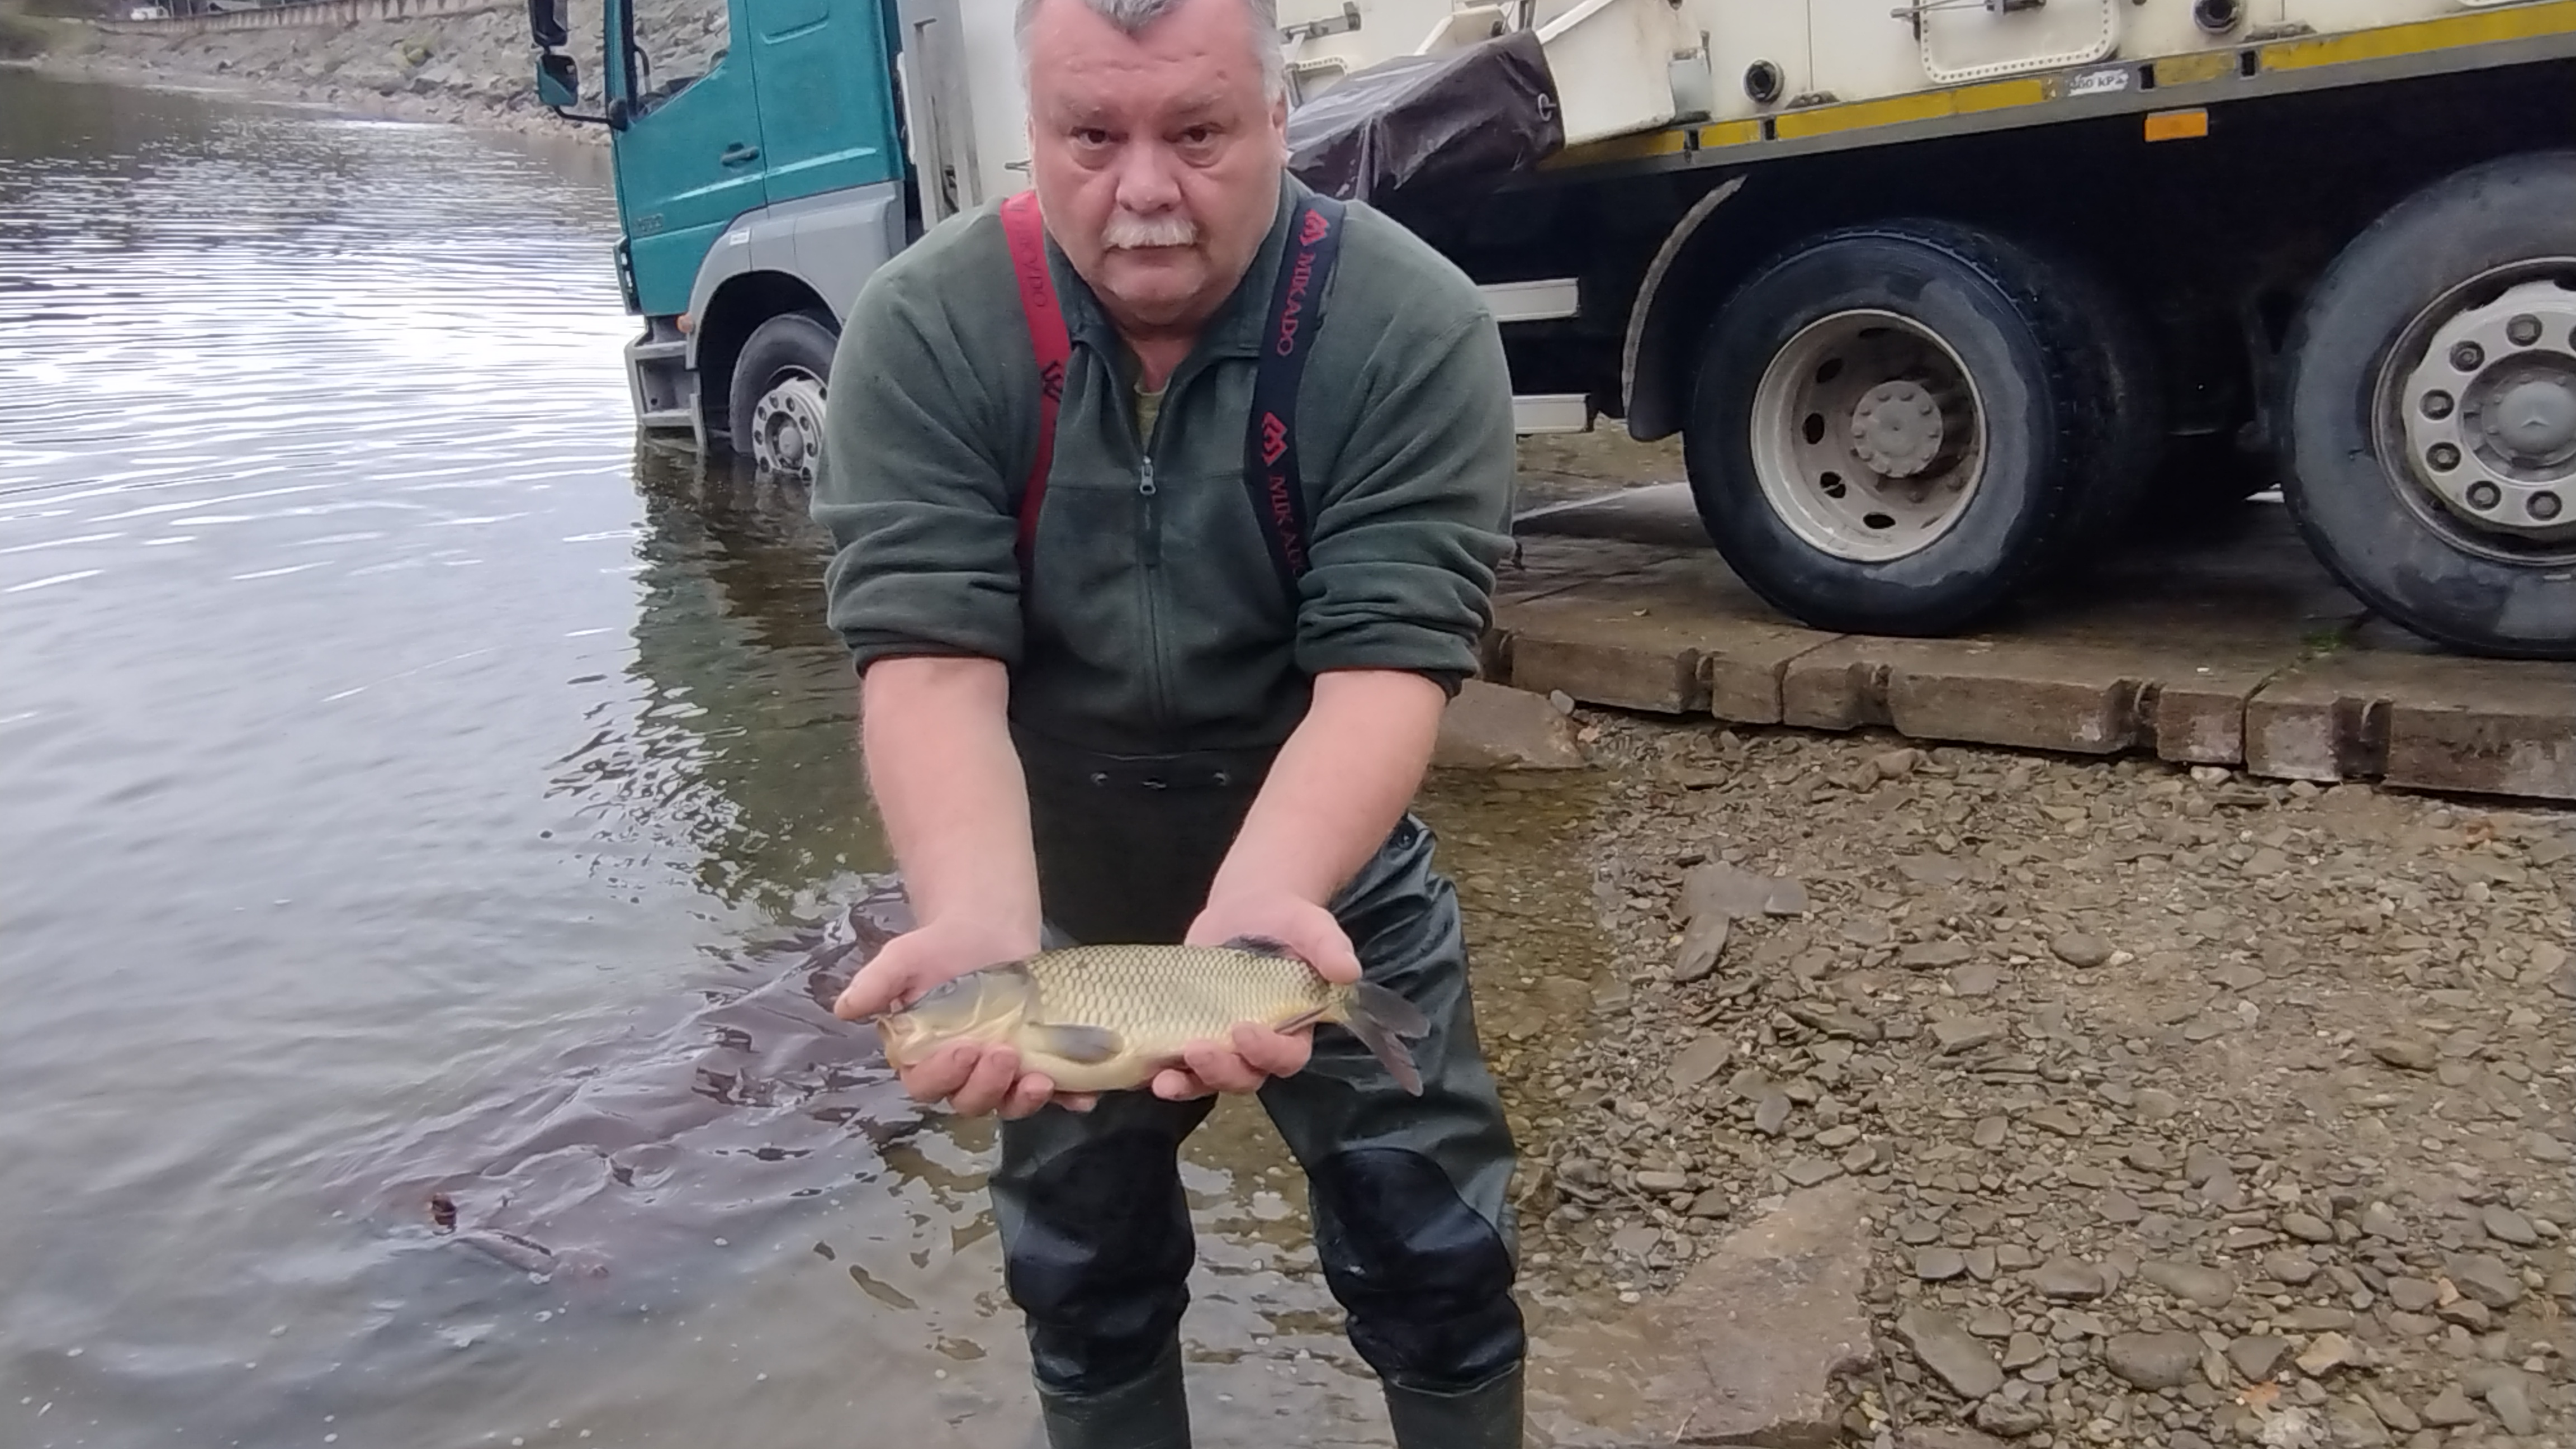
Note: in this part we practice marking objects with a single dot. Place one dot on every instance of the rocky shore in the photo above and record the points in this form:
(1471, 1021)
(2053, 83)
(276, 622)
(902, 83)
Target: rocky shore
(475, 69)
(2168, 1108)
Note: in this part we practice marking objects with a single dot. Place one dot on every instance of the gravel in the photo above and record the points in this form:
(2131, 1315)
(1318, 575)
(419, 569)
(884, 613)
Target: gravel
(2158, 1084)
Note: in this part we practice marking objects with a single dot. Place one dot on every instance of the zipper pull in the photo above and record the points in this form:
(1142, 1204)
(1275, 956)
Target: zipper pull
(1145, 479)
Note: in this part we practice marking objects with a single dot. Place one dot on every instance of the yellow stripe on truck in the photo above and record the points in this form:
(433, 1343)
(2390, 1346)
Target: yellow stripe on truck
(2524, 22)
(1897, 110)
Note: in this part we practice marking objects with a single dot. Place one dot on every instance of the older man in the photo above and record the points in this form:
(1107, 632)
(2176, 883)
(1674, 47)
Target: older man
(1167, 502)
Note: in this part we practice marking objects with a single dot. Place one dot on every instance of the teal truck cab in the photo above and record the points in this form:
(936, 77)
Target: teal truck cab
(756, 190)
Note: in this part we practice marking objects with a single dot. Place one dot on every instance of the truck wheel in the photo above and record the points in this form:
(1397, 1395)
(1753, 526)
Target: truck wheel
(776, 408)
(1890, 427)
(2431, 395)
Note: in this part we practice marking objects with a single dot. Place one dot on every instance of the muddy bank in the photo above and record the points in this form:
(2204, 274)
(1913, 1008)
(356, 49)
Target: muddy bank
(477, 70)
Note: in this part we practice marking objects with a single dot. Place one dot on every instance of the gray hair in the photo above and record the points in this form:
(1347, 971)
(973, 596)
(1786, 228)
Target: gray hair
(1132, 16)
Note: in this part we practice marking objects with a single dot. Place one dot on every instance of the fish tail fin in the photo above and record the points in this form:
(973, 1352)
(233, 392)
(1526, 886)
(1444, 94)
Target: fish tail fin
(1379, 1017)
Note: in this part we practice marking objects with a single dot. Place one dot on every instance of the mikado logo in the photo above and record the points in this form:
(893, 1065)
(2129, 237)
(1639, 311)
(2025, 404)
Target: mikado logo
(1274, 437)
(1316, 226)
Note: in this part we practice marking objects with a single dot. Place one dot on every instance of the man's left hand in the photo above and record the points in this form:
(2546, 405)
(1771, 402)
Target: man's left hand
(1256, 1054)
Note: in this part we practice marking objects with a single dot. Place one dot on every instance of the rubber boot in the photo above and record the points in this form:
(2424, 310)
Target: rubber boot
(1152, 1412)
(1484, 1417)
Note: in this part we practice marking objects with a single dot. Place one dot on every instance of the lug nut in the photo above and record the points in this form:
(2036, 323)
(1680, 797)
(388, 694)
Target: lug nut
(2468, 357)
(2443, 457)
(2437, 404)
(2523, 330)
(2543, 506)
(2484, 496)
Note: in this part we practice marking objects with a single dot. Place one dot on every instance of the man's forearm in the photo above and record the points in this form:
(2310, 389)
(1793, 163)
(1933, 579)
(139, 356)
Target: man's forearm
(948, 786)
(1340, 783)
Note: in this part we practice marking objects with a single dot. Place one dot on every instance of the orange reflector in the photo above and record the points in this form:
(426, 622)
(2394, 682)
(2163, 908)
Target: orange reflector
(2178, 125)
(686, 322)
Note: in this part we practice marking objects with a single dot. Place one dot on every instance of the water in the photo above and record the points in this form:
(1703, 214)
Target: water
(432, 831)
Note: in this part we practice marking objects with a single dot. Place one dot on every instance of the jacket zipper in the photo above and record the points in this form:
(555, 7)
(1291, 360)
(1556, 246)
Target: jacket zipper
(1149, 551)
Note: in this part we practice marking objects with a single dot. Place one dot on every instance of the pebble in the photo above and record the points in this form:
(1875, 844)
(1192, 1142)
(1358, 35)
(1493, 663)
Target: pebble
(2391, 1409)
(2153, 1360)
(2257, 1355)
(2329, 1351)
(2067, 1278)
(2208, 1287)
(1946, 1348)
(2449, 1409)
(2484, 1277)
(1998, 1416)
(1962, 1033)
(2024, 1350)
(1701, 1060)
(1939, 1265)
(2082, 951)
(2293, 1268)
(2307, 1228)
(2412, 1054)
(2505, 1225)
(2412, 1295)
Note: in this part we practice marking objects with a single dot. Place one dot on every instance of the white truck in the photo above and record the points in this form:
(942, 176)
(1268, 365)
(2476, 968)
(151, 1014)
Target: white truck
(1941, 296)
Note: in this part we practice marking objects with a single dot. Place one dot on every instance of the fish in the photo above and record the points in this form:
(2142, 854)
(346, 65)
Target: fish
(1107, 1018)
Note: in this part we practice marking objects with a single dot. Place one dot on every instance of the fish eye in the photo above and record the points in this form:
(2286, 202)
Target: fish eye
(953, 986)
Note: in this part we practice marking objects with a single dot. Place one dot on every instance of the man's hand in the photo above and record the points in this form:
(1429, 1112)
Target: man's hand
(1255, 1054)
(972, 1077)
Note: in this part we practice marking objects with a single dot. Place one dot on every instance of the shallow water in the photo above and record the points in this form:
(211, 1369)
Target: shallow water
(432, 829)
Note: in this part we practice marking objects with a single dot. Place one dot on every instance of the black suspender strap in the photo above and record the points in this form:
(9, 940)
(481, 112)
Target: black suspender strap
(1270, 442)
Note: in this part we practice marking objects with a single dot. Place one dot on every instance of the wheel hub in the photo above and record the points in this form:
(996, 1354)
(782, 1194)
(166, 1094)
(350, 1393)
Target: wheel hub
(787, 426)
(1896, 429)
(2490, 414)
(1868, 435)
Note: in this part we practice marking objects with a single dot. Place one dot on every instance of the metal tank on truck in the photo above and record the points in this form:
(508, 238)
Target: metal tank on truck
(1944, 298)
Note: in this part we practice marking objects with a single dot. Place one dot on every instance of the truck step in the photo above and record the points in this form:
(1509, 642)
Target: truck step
(675, 349)
(1550, 412)
(667, 420)
(1538, 301)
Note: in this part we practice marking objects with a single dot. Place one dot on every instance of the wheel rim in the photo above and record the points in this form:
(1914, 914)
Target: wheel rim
(2475, 411)
(1868, 436)
(787, 424)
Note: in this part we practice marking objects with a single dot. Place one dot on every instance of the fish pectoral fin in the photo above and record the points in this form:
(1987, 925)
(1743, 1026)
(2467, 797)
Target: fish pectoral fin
(1084, 1044)
(1260, 946)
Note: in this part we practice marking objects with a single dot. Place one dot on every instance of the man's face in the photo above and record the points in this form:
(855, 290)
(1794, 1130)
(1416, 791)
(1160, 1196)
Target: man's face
(1157, 157)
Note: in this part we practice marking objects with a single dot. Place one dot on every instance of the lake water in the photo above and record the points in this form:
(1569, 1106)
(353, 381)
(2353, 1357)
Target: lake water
(432, 829)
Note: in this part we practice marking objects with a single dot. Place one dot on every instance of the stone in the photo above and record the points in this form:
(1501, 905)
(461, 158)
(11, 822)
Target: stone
(2155, 1104)
(2307, 1228)
(2505, 1225)
(2066, 1278)
(2079, 950)
(2449, 1409)
(1750, 1347)
(2191, 1282)
(2120, 1209)
(2149, 1158)
(1977, 978)
(2328, 1352)
(2413, 1295)
(1662, 1182)
(1944, 1346)
(2351, 1425)
(2057, 1120)
(2010, 1419)
(2024, 1350)
(1933, 955)
(2484, 1277)
(1703, 942)
(1981, 1264)
(1717, 888)
(1495, 727)
(1962, 1033)
(2257, 1355)
(1939, 1265)
(1701, 1060)
(2412, 1054)
(1990, 1132)
(2512, 1404)
(2163, 1360)
(1771, 1113)
(2316, 1318)
(1990, 1322)
(1944, 1436)
(2289, 1266)
(1809, 1171)
(2391, 1409)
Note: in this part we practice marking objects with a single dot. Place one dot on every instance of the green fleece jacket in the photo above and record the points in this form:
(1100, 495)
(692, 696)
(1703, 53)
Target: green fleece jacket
(1153, 618)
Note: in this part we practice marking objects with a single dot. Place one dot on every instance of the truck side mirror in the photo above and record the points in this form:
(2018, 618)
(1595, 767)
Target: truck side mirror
(546, 23)
(558, 81)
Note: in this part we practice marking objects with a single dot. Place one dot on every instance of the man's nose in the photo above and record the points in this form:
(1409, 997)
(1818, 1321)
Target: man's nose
(1148, 178)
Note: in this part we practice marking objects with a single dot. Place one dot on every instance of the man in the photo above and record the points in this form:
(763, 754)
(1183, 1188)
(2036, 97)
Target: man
(1175, 710)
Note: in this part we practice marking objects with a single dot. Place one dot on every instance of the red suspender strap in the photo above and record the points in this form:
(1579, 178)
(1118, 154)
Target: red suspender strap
(1026, 231)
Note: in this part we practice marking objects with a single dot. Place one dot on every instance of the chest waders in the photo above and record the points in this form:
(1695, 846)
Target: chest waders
(1407, 1193)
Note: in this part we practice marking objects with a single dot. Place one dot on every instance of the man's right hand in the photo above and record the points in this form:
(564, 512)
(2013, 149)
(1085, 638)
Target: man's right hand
(972, 1077)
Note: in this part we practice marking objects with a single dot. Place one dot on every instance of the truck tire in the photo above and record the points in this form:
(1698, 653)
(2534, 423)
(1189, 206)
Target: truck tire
(774, 415)
(1892, 427)
(2430, 391)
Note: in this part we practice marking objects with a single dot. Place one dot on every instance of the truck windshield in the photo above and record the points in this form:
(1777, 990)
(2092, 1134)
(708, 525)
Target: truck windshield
(670, 47)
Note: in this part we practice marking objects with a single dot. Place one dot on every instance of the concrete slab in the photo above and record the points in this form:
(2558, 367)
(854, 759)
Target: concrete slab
(2422, 721)
(2187, 648)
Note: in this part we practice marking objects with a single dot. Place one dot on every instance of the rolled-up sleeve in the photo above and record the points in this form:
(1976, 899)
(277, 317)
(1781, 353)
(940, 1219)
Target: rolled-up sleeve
(1417, 515)
(911, 488)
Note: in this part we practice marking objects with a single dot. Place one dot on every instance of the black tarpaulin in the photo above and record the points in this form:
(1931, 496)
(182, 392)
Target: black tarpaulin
(1418, 120)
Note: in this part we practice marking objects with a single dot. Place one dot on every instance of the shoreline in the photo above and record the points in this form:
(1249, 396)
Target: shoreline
(471, 109)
